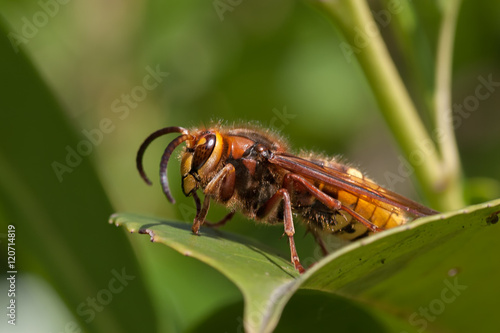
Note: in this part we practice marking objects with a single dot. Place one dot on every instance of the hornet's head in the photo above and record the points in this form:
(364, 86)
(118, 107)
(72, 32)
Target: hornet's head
(200, 159)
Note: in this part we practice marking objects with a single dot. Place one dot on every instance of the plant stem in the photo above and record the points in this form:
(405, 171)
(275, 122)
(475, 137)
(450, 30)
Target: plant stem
(442, 101)
(415, 48)
(354, 19)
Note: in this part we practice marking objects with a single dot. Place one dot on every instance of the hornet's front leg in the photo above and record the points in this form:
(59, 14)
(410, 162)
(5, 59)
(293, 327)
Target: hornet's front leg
(221, 187)
(201, 212)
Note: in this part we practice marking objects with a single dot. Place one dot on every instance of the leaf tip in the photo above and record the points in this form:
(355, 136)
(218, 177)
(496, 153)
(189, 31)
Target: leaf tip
(113, 219)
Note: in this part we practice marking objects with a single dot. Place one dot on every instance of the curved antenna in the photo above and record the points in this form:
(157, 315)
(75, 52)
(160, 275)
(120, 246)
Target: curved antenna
(149, 139)
(164, 161)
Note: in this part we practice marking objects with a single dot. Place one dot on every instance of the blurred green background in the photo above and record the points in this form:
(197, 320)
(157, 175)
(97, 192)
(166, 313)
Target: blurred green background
(278, 63)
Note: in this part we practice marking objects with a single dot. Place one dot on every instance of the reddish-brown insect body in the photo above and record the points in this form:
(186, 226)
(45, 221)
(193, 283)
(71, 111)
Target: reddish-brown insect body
(251, 171)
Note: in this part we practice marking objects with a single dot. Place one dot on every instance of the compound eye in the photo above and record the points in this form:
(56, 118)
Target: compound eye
(202, 151)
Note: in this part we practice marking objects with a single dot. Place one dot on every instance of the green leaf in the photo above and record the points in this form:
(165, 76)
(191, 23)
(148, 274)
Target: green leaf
(393, 270)
(60, 220)
(261, 275)
(312, 311)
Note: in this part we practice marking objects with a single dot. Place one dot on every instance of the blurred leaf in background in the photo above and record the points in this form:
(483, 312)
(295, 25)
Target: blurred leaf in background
(55, 205)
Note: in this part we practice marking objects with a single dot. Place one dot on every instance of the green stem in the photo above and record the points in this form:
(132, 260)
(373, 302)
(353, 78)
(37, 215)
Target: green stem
(419, 59)
(355, 21)
(442, 102)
